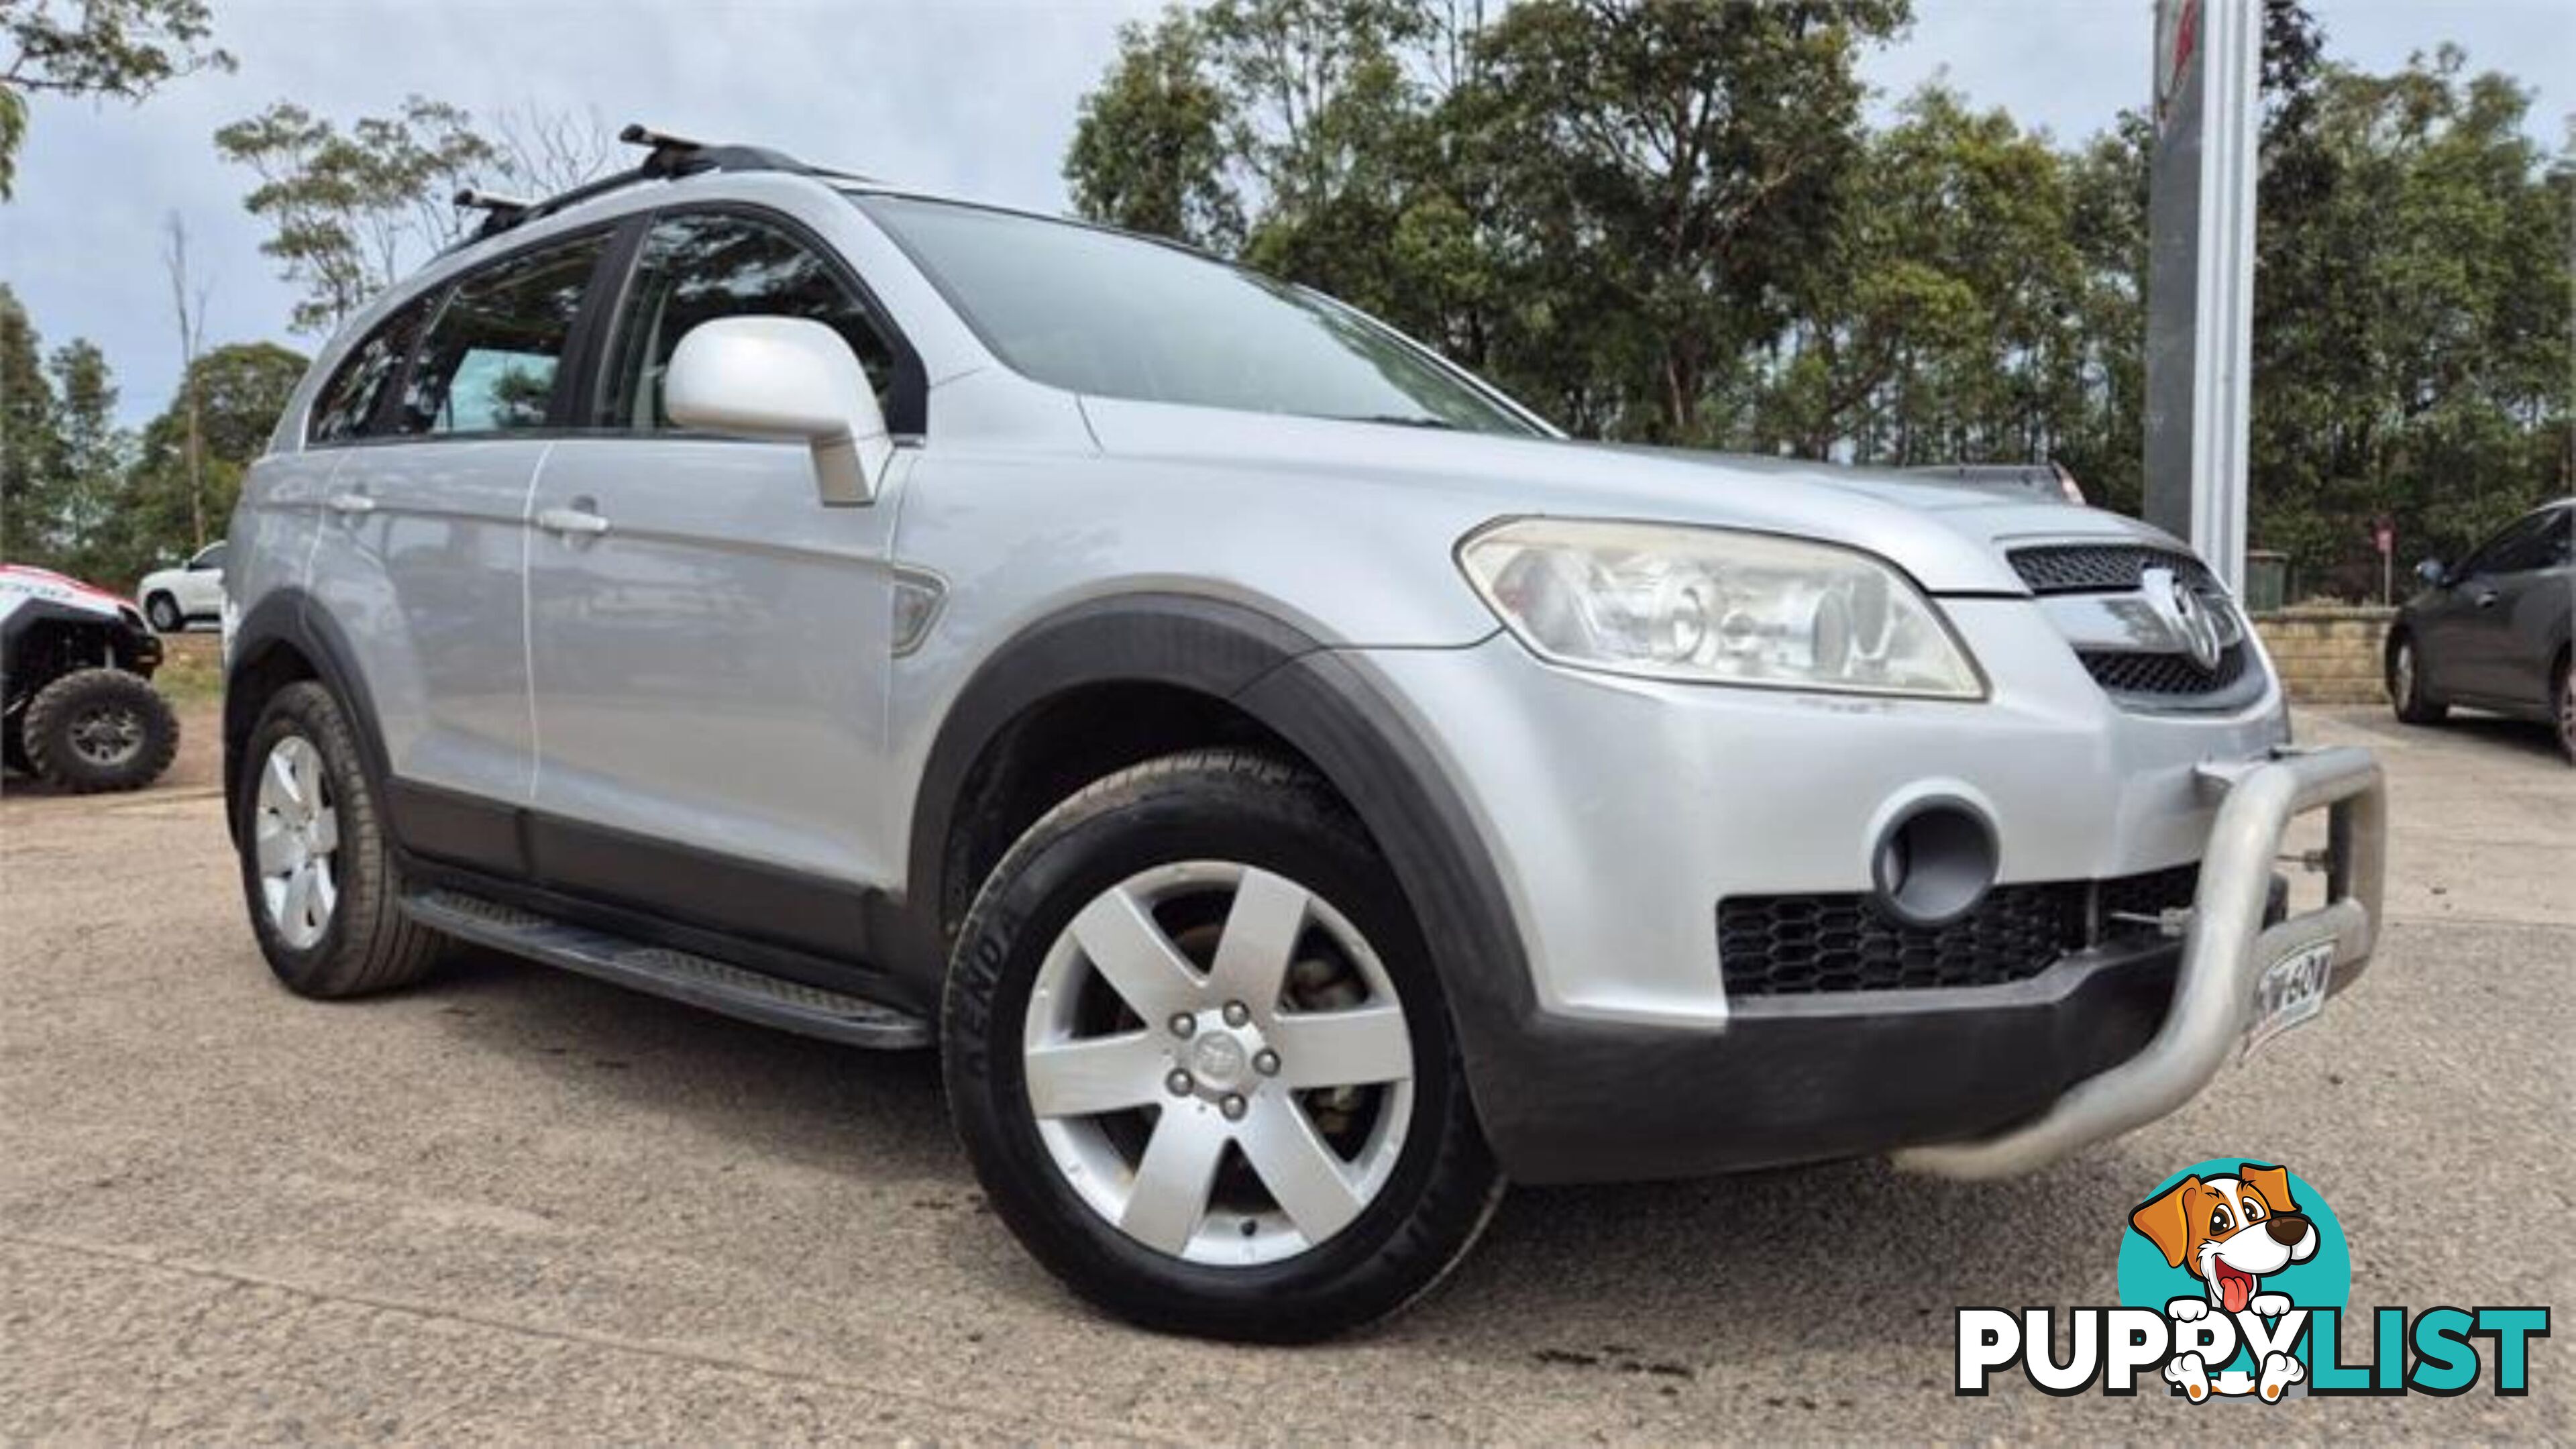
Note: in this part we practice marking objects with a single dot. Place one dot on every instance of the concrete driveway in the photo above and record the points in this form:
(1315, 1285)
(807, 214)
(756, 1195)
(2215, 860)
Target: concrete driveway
(516, 1204)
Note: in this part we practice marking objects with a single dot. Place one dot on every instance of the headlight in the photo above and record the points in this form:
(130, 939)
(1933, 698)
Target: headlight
(1712, 606)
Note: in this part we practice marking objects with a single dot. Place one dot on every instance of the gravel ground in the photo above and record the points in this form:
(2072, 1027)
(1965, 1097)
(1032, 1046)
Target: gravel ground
(517, 1204)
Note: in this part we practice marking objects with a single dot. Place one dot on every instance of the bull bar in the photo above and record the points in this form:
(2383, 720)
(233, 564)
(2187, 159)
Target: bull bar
(2226, 949)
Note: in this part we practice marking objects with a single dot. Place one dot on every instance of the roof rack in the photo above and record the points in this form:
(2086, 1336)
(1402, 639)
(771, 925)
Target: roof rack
(666, 158)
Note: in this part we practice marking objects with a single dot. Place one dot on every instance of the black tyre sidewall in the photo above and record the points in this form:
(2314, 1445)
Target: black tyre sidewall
(2559, 725)
(46, 731)
(161, 607)
(1443, 1185)
(362, 866)
(2412, 707)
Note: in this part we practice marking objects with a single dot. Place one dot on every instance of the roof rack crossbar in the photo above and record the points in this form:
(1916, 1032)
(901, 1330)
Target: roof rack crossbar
(667, 158)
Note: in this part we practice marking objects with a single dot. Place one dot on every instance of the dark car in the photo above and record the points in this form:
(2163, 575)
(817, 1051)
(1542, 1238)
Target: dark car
(2491, 633)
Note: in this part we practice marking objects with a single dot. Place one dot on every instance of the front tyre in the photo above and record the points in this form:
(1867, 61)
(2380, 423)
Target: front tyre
(163, 611)
(2562, 705)
(99, 729)
(2406, 685)
(1196, 1051)
(317, 867)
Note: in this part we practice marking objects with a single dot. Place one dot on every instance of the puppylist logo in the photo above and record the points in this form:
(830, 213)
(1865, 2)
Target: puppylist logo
(2234, 1280)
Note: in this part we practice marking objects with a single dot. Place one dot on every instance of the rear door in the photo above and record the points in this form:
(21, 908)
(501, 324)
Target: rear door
(421, 557)
(709, 640)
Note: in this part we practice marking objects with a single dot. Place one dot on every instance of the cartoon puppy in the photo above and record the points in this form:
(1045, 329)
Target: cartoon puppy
(2230, 1231)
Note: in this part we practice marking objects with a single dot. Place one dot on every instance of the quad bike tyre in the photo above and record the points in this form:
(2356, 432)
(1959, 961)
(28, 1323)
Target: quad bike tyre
(97, 730)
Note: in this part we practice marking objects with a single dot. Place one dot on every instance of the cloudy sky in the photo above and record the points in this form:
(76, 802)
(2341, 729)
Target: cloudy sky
(970, 96)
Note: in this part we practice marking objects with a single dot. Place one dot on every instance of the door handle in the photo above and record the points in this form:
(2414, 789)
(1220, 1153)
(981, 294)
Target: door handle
(574, 522)
(2485, 598)
(351, 505)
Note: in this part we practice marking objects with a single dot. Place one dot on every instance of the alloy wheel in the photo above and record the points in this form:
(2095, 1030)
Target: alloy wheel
(296, 831)
(1218, 1063)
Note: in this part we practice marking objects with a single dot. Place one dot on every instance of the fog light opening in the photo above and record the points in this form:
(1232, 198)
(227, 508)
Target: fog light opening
(1934, 864)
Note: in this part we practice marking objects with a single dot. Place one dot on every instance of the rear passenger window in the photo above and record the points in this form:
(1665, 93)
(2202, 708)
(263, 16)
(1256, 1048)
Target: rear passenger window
(488, 363)
(698, 268)
(348, 401)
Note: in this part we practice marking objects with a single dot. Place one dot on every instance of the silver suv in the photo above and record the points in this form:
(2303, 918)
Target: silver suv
(1294, 787)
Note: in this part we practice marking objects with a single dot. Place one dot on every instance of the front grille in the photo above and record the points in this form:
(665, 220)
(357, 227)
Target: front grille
(2145, 895)
(2100, 568)
(2123, 671)
(1799, 945)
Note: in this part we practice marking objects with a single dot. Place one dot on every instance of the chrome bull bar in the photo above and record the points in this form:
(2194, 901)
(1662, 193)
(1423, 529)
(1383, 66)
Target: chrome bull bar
(2226, 949)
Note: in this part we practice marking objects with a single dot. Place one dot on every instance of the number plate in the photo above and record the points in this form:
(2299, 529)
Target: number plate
(2291, 990)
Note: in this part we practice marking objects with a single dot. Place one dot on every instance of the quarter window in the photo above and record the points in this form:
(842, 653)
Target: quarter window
(698, 268)
(348, 401)
(489, 361)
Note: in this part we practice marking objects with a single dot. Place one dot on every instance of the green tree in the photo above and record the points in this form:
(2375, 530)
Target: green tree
(1941, 330)
(28, 443)
(1150, 145)
(240, 389)
(105, 49)
(2107, 220)
(1666, 219)
(1674, 163)
(350, 211)
(2413, 333)
(77, 504)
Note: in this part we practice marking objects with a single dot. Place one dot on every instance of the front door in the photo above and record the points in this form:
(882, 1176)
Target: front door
(708, 640)
(2500, 607)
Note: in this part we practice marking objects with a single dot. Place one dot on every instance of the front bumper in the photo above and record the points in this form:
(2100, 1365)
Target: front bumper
(1962, 1082)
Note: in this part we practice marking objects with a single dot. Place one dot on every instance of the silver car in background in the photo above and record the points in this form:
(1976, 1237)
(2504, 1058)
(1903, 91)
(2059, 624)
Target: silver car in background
(1294, 787)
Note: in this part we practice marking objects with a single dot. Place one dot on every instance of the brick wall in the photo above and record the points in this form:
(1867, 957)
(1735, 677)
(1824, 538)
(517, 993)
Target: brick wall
(2328, 655)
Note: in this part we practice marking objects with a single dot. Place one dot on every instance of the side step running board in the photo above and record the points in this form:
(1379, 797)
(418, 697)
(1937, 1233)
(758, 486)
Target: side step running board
(697, 980)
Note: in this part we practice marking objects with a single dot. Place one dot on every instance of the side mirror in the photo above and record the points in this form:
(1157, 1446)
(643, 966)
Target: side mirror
(2431, 573)
(788, 378)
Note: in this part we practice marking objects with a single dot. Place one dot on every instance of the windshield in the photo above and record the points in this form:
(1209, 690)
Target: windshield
(1100, 312)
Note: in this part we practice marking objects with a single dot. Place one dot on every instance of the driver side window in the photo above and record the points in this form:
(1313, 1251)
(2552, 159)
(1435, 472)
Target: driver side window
(2533, 543)
(696, 268)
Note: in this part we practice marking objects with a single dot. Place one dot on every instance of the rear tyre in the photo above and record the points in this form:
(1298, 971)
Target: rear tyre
(2406, 685)
(99, 729)
(1198, 1056)
(164, 613)
(317, 867)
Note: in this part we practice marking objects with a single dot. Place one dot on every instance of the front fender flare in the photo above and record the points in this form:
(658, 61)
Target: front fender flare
(1322, 705)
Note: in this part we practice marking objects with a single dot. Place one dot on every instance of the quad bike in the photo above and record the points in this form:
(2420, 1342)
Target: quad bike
(77, 706)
